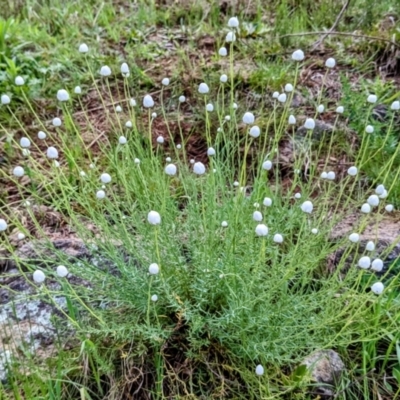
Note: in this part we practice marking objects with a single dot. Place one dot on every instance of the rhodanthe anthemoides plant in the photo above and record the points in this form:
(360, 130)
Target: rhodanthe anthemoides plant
(235, 258)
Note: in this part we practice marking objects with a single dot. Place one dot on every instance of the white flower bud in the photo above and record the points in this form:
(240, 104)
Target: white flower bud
(209, 107)
(39, 276)
(372, 98)
(19, 81)
(233, 22)
(389, 207)
(56, 122)
(278, 238)
(373, 200)
(377, 265)
(223, 52)
(370, 246)
(3, 225)
(267, 202)
(321, 108)
(331, 176)
(379, 189)
(154, 269)
(309, 124)
(105, 178)
(62, 95)
(288, 88)
(259, 370)
(168, 159)
(275, 95)
(18, 172)
(203, 88)
(364, 262)
(224, 224)
(62, 271)
(395, 105)
(324, 175)
(5, 99)
(330, 63)
(83, 48)
(230, 37)
(248, 118)
(314, 231)
(41, 135)
(52, 152)
(282, 97)
(267, 165)
(100, 194)
(154, 115)
(154, 218)
(369, 129)
(77, 90)
(170, 169)
(199, 168)
(223, 78)
(25, 142)
(132, 102)
(292, 120)
(160, 140)
(124, 69)
(182, 99)
(261, 230)
(257, 216)
(254, 131)
(366, 208)
(154, 298)
(178, 146)
(136, 161)
(340, 110)
(128, 124)
(352, 171)
(227, 118)
(165, 81)
(377, 288)
(298, 55)
(384, 194)
(105, 70)
(307, 207)
(148, 101)
(118, 109)
(21, 236)
(211, 152)
(354, 237)
(297, 195)
(122, 140)
(26, 152)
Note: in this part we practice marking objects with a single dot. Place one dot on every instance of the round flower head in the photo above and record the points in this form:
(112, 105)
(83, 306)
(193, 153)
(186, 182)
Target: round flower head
(321, 108)
(5, 99)
(83, 48)
(227, 118)
(223, 78)
(372, 98)
(21, 236)
(154, 218)
(373, 200)
(25, 142)
(77, 90)
(236, 183)
(100, 194)
(182, 99)
(278, 238)
(56, 122)
(282, 97)
(41, 135)
(136, 161)
(352, 171)
(18, 172)
(314, 231)
(288, 87)
(298, 55)
(224, 224)
(230, 37)
(3, 225)
(192, 161)
(148, 101)
(330, 63)
(154, 269)
(354, 237)
(62, 271)
(259, 370)
(267, 165)
(395, 105)
(82, 174)
(154, 115)
(369, 129)
(170, 169)
(52, 152)
(389, 208)
(124, 69)
(307, 207)
(377, 288)
(324, 175)
(297, 195)
(364, 262)
(267, 202)
(160, 140)
(292, 120)
(254, 131)
(379, 189)
(261, 230)
(248, 118)
(257, 216)
(233, 22)
(26, 152)
(39, 276)
(128, 124)
(223, 52)
(178, 146)
(199, 168)
(168, 159)
(377, 265)
(209, 107)
(211, 152)
(340, 110)
(62, 95)
(19, 81)
(384, 194)
(165, 81)
(331, 176)
(309, 124)
(132, 102)
(118, 109)
(370, 246)
(154, 298)
(105, 178)
(105, 70)
(56, 163)
(203, 88)
(366, 208)
(122, 140)
(275, 95)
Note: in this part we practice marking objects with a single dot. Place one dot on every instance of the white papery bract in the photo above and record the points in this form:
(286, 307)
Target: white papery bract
(154, 269)
(230, 37)
(62, 95)
(160, 140)
(352, 171)
(354, 237)
(309, 124)
(5, 99)
(369, 129)
(372, 98)
(21, 236)
(56, 122)
(379, 189)
(52, 152)
(366, 208)
(340, 110)
(3, 225)
(41, 135)
(39, 276)
(122, 140)
(223, 78)
(170, 169)
(128, 124)
(377, 288)
(267, 202)
(324, 175)
(257, 216)
(282, 97)
(267, 165)
(297, 195)
(154, 298)
(18, 172)
(77, 90)
(25, 142)
(395, 105)
(19, 81)
(154, 218)
(292, 120)
(377, 265)
(370, 246)
(331, 176)
(209, 107)
(248, 118)
(364, 262)
(124, 69)
(314, 231)
(223, 52)
(83, 48)
(278, 238)
(148, 101)
(298, 55)
(224, 224)
(373, 200)
(330, 63)
(288, 87)
(254, 131)
(233, 22)
(389, 207)
(275, 95)
(105, 70)
(105, 178)
(199, 168)
(182, 99)
(132, 102)
(321, 108)
(211, 151)
(307, 207)
(261, 230)
(259, 370)
(165, 81)
(62, 271)
(203, 88)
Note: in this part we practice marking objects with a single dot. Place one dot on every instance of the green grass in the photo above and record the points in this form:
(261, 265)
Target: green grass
(228, 299)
